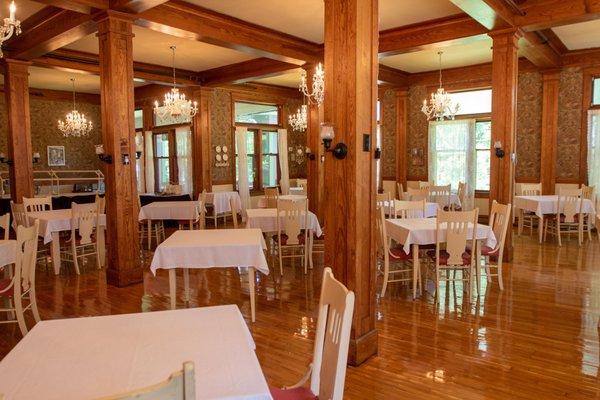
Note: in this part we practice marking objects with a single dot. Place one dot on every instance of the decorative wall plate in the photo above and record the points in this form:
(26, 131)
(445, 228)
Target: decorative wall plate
(218, 149)
(225, 157)
(225, 149)
(218, 157)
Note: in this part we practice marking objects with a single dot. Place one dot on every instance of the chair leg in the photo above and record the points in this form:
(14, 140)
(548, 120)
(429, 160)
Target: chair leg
(75, 261)
(558, 233)
(386, 271)
(97, 256)
(20, 316)
(34, 308)
(500, 281)
(280, 259)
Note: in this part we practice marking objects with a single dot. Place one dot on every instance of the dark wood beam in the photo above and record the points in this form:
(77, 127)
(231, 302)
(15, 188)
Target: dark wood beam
(80, 6)
(188, 21)
(544, 14)
(583, 58)
(392, 76)
(244, 71)
(134, 6)
(553, 41)
(537, 50)
(492, 14)
(441, 32)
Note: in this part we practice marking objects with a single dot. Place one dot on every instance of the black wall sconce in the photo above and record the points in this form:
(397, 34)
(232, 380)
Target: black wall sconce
(499, 150)
(36, 158)
(138, 154)
(107, 158)
(340, 151)
(5, 160)
(377, 153)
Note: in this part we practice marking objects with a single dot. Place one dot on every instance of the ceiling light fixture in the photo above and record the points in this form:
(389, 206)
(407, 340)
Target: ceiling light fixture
(441, 106)
(175, 108)
(11, 25)
(75, 123)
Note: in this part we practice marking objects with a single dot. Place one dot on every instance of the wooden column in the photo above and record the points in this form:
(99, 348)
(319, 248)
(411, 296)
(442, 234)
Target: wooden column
(16, 85)
(549, 130)
(350, 98)
(505, 66)
(118, 136)
(401, 127)
(201, 140)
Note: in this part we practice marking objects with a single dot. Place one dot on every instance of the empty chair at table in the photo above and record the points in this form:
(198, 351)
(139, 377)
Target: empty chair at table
(569, 216)
(181, 385)
(424, 185)
(450, 255)
(37, 204)
(150, 229)
(327, 371)
(20, 218)
(400, 190)
(22, 284)
(384, 200)
(83, 241)
(530, 220)
(440, 195)
(291, 240)
(410, 209)
(271, 196)
(417, 194)
(588, 193)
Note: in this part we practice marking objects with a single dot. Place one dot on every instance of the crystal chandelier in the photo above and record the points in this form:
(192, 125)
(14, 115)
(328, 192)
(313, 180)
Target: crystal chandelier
(298, 121)
(441, 105)
(75, 123)
(318, 86)
(175, 108)
(11, 25)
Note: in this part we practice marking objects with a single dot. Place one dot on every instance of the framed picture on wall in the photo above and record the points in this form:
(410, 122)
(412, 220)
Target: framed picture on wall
(56, 156)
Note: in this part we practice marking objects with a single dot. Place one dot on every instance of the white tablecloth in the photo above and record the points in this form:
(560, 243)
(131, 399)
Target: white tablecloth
(431, 209)
(266, 220)
(422, 231)
(547, 204)
(55, 221)
(297, 191)
(262, 202)
(220, 201)
(177, 210)
(454, 200)
(212, 249)
(87, 358)
(8, 252)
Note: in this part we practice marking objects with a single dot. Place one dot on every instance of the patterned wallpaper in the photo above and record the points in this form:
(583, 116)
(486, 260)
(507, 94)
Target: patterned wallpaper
(79, 152)
(529, 125)
(295, 138)
(388, 134)
(417, 132)
(569, 124)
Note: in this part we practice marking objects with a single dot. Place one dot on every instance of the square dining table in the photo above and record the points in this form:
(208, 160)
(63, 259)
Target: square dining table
(215, 248)
(96, 357)
(52, 222)
(180, 210)
(414, 232)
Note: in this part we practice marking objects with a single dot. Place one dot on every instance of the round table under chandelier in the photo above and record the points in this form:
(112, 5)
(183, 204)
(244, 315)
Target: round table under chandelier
(75, 123)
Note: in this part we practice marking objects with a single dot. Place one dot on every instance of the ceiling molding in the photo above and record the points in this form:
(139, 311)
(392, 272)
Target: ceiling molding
(134, 6)
(581, 58)
(392, 76)
(244, 71)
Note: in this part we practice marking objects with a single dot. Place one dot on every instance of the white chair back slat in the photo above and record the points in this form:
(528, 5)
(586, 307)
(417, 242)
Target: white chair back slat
(424, 185)
(529, 189)
(37, 204)
(25, 259)
(84, 220)
(19, 215)
(457, 225)
(384, 200)
(292, 214)
(417, 194)
(440, 195)
(570, 203)
(409, 209)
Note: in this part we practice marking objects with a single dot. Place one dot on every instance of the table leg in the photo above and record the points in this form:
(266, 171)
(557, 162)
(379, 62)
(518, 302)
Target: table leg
(541, 229)
(191, 225)
(172, 287)
(520, 223)
(478, 265)
(101, 246)
(186, 282)
(251, 274)
(416, 271)
(150, 233)
(55, 249)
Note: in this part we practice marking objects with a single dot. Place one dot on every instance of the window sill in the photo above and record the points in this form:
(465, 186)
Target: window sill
(482, 194)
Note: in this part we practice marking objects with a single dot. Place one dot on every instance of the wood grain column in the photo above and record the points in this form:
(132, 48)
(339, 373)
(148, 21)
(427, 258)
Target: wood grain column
(549, 130)
(401, 127)
(350, 98)
(118, 136)
(16, 91)
(201, 140)
(505, 66)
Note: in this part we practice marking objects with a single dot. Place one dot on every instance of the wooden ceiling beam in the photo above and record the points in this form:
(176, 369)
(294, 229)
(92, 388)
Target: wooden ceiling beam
(582, 58)
(188, 21)
(80, 6)
(392, 76)
(244, 71)
(544, 14)
(538, 51)
(492, 14)
(135, 6)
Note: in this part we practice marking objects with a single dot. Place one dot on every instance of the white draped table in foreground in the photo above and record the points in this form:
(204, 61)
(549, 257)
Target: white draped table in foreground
(218, 248)
(88, 358)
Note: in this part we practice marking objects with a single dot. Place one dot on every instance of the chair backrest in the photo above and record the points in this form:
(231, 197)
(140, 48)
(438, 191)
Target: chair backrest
(181, 385)
(101, 204)
(456, 225)
(202, 197)
(332, 338)
(588, 192)
(27, 242)
(271, 196)
(499, 222)
(384, 200)
(234, 212)
(293, 216)
(36, 204)
(383, 241)
(409, 209)
(84, 219)
(400, 189)
(463, 194)
(417, 194)
(530, 189)
(201, 204)
(424, 184)
(19, 215)
(5, 224)
(570, 202)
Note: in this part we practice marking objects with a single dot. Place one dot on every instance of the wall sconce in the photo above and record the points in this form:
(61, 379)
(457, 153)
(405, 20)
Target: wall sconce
(340, 150)
(138, 154)
(499, 151)
(36, 157)
(309, 153)
(377, 153)
(5, 160)
(107, 158)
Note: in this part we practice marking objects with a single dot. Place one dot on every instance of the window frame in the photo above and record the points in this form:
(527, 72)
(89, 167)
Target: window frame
(594, 78)
(257, 183)
(251, 125)
(173, 167)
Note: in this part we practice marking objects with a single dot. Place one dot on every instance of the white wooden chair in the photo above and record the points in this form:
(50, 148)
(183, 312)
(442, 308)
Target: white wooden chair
(384, 200)
(409, 209)
(417, 194)
(36, 204)
(84, 235)
(402, 262)
(440, 195)
(271, 197)
(450, 255)
(424, 185)
(291, 238)
(20, 218)
(530, 220)
(400, 189)
(327, 372)
(181, 385)
(569, 219)
(151, 229)
(234, 212)
(588, 193)
(5, 225)
(22, 284)
(465, 198)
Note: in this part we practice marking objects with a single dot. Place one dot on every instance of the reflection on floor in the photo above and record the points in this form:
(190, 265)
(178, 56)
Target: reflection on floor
(537, 339)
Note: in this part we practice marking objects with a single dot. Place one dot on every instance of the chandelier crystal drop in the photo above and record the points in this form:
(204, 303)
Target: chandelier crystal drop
(75, 123)
(176, 108)
(11, 26)
(299, 120)
(441, 106)
(317, 95)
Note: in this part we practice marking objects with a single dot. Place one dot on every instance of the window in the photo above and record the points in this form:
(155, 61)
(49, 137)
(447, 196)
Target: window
(165, 160)
(596, 92)
(254, 113)
(473, 102)
(593, 147)
(138, 116)
(263, 152)
(483, 144)
(269, 158)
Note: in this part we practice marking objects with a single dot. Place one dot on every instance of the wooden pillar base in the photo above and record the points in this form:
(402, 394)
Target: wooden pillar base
(362, 348)
(122, 277)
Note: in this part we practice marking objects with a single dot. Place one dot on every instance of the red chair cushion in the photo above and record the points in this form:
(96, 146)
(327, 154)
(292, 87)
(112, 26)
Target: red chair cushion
(444, 256)
(398, 253)
(4, 283)
(292, 394)
(284, 239)
(488, 251)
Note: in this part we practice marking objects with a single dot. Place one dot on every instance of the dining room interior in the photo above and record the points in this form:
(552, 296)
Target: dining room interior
(310, 199)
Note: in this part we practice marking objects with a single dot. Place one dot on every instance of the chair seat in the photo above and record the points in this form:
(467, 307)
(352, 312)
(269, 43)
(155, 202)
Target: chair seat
(4, 283)
(300, 393)
(398, 253)
(444, 256)
(488, 251)
(284, 239)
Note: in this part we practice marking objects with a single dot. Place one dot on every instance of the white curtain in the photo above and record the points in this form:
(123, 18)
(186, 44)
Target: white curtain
(243, 187)
(183, 139)
(139, 163)
(594, 149)
(282, 148)
(149, 160)
(452, 154)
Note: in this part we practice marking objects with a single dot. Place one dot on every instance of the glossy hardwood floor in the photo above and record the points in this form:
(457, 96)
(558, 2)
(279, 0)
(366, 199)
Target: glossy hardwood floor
(538, 339)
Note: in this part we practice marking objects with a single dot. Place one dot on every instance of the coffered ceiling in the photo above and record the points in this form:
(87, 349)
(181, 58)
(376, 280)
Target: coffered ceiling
(584, 35)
